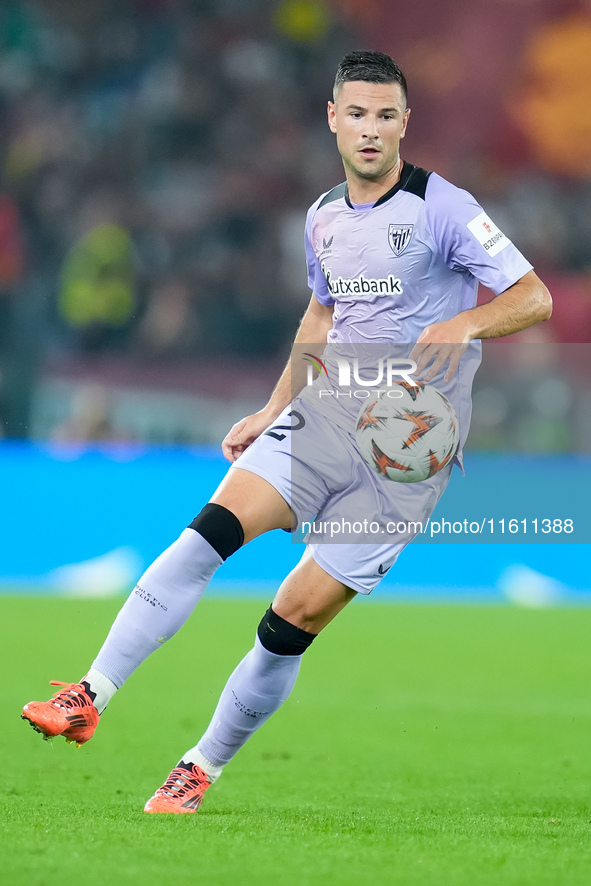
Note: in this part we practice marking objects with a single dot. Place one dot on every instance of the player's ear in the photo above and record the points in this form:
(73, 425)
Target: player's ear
(405, 122)
(332, 112)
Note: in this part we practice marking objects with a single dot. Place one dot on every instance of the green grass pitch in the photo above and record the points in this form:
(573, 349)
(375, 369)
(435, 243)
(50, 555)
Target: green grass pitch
(422, 745)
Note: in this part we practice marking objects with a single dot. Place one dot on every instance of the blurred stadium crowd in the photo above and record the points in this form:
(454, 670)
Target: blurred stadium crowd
(157, 158)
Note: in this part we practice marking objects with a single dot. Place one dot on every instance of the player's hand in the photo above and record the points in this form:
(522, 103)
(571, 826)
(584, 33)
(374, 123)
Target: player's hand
(439, 344)
(243, 433)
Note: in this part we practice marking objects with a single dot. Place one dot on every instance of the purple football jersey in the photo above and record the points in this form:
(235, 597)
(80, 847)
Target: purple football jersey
(394, 267)
(411, 259)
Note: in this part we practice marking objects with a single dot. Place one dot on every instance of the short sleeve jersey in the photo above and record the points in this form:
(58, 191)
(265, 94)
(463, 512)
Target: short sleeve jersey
(413, 258)
(394, 267)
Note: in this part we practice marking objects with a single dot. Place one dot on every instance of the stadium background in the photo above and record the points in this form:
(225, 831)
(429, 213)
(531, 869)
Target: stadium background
(157, 158)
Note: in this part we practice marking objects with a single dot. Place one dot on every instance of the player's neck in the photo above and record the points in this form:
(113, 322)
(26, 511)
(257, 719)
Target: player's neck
(363, 190)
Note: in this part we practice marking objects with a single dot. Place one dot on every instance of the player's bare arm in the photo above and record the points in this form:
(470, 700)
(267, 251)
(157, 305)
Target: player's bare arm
(314, 328)
(524, 304)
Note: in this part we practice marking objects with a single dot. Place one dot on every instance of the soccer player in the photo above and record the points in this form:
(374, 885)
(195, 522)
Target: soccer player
(394, 256)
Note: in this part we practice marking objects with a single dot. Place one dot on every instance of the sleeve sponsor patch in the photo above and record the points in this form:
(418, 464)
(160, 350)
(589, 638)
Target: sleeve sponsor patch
(487, 234)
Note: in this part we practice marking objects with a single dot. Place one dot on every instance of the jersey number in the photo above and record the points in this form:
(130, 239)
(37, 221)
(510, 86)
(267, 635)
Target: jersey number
(300, 421)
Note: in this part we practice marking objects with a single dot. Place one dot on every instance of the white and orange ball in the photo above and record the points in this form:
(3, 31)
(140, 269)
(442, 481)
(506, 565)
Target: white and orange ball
(407, 432)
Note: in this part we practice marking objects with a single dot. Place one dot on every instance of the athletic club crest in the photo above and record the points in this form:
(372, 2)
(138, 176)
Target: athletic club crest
(399, 237)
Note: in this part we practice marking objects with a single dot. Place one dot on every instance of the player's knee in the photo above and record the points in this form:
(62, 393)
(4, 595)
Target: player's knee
(281, 637)
(220, 528)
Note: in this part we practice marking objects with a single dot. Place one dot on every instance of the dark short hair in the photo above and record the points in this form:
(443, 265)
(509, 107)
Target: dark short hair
(370, 66)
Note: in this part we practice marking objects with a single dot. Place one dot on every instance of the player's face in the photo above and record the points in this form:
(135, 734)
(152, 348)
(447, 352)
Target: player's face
(369, 120)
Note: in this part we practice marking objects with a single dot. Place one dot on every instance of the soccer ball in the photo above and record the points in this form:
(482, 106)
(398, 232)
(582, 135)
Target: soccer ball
(407, 433)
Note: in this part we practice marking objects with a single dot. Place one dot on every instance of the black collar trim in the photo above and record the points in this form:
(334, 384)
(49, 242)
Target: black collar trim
(408, 172)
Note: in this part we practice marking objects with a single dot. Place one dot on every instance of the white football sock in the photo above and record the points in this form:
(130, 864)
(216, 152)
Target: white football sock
(212, 771)
(101, 688)
(257, 688)
(159, 605)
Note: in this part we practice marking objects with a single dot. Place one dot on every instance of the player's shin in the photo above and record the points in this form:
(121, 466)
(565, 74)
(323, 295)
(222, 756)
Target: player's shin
(256, 689)
(167, 593)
